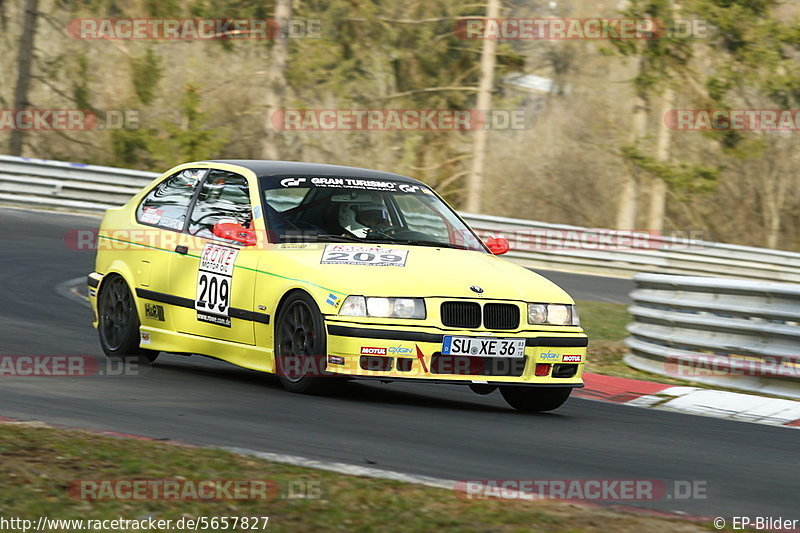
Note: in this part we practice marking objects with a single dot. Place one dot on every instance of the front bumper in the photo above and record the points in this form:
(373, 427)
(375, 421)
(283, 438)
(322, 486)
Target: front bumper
(374, 351)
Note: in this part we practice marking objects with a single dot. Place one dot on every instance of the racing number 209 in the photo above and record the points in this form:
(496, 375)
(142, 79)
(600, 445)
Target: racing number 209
(214, 292)
(364, 257)
(343, 254)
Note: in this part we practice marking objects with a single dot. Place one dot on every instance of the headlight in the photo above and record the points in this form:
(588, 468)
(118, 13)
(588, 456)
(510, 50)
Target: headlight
(537, 313)
(408, 308)
(383, 307)
(553, 314)
(354, 306)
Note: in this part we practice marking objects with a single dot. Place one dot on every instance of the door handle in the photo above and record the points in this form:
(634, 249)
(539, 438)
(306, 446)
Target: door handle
(181, 249)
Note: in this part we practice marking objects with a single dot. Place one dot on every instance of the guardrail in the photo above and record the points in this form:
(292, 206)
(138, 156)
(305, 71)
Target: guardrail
(92, 188)
(58, 184)
(539, 244)
(732, 333)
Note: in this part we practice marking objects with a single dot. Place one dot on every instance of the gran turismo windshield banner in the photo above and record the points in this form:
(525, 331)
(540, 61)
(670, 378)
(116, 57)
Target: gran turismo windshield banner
(344, 183)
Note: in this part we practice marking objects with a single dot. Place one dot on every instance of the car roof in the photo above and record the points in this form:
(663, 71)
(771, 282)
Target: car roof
(263, 168)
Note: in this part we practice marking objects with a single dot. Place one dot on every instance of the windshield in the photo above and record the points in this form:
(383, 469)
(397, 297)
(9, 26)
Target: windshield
(339, 209)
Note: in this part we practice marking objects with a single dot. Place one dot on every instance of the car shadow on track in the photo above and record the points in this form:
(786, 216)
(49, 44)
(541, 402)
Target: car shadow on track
(429, 396)
(362, 392)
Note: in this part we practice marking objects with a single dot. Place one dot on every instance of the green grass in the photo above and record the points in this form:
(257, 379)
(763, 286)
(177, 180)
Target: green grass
(39, 463)
(604, 321)
(605, 324)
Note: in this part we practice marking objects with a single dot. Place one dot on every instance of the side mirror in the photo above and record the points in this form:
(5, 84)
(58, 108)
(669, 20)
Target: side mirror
(497, 245)
(233, 231)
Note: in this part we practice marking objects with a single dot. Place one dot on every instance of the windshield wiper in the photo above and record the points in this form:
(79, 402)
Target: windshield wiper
(321, 238)
(436, 244)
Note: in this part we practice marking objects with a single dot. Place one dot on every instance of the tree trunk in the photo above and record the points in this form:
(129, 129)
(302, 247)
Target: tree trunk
(773, 228)
(658, 188)
(626, 211)
(484, 104)
(775, 188)
(276, 81)
(24, 63)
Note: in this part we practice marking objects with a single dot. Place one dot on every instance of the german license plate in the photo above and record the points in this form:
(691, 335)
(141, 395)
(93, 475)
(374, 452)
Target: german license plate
(483, 346)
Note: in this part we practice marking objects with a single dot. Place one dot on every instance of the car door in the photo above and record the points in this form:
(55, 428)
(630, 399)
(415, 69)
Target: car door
(215, 274)
(161, 216)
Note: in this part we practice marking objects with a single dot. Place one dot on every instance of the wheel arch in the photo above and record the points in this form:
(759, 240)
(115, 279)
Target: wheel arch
(121, 269)
(285, 297)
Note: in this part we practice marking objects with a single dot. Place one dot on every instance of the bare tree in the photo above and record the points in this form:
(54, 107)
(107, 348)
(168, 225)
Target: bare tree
(658, 187)
(24, 62)
(276, 80)
(488, 59)
(626, 209)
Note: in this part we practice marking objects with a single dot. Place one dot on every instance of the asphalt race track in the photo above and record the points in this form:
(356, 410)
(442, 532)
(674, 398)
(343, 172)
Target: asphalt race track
(432, 430)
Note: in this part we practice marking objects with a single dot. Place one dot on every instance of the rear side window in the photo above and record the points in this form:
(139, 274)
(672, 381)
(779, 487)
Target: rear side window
(223, 195)
(166, 205)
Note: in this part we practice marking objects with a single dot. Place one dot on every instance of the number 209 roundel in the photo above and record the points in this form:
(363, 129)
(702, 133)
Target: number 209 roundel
(323, 274)
(214, 278)
(363, 255)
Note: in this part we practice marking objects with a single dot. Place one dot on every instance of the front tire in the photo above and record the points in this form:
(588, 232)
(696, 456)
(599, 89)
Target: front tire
(118, 321)
(533, 399)
(301, 347)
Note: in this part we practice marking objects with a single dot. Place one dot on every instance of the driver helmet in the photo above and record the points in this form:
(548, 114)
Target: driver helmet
(359, 219)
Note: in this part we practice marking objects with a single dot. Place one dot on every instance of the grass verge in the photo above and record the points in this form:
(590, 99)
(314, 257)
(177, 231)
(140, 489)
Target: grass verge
(605, 324)
(40, 463)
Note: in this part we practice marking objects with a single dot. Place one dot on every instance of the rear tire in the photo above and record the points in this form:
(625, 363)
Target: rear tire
(535, 399)
(118, 322)
(301, 347)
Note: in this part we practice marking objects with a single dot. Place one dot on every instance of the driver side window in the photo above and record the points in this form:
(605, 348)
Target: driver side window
(223, 196)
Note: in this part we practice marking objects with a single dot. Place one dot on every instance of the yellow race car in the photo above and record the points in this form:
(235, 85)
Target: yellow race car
(322, 273)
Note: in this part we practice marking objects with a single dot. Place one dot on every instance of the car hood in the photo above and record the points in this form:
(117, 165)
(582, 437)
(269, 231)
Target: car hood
(428, 272)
